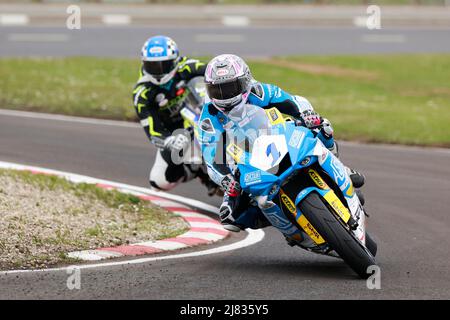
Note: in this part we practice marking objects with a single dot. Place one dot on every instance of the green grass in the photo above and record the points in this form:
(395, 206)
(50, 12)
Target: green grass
(397, 99)
(385, 98)
(74, 86)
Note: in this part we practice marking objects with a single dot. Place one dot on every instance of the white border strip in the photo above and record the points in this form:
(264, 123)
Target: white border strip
(58, 117)
(235, 21)
(12, 19)
(38, 37)
(116, 19)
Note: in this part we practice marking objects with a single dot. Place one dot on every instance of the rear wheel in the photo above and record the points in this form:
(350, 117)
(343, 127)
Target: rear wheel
(337, 235)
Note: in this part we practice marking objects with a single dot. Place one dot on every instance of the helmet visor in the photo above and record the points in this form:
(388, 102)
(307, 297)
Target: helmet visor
(227, 90)
(159, 68)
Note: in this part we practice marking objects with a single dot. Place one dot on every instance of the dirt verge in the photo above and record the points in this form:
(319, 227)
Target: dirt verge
(44, 217)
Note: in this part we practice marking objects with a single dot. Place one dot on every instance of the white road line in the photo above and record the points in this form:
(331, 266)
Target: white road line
(57, 117)
(38, 37)
(14, 19)
(94, 255)
(115, 123)
(218, 38)
(235, 21)
(163, 245)
(383, 38)
(188, 214)
(395, 147)
(166, 203)
(210, 225)
(360, 21)
(116, 19)
(201, 235)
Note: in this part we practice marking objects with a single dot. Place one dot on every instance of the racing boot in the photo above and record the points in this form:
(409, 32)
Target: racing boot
(357, 178)
(360, 195)
(190, 172)
(227, 212)
(212, 188)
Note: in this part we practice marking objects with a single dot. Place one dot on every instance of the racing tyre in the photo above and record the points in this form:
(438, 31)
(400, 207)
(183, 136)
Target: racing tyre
(371, 244)
(342, 240)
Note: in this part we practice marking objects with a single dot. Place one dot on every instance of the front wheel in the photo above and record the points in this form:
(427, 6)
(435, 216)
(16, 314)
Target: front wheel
(336, 235)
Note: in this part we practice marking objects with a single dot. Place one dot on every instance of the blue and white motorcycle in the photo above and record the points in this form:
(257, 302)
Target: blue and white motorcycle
(284, 166)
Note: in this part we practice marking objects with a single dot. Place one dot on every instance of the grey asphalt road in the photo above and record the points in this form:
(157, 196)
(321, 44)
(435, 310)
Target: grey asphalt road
(250, 41)
(407, 195)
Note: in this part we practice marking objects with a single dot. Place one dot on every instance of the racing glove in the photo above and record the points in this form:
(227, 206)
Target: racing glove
(161, 100)
(176, 146)
(231, 186)
(311, 119)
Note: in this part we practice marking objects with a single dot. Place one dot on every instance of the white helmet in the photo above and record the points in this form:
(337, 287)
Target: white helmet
(160, 57)
(228, 81)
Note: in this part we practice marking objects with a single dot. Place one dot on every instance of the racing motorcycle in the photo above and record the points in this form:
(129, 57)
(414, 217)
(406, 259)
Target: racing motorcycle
(281, 163)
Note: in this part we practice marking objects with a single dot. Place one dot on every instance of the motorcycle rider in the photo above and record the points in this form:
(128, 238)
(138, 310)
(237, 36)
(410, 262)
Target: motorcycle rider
(157, 98)
(230, 85)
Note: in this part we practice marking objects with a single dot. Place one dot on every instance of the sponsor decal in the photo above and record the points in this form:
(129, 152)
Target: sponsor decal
(324, 155)
(296, 139)
(302, 221)
(273, 115)
(235, 152)
(228, 125)
(317, 179)
(222, 72)
(288, 203)
(252, 177)
(305, 161)
(350, 191)
(278, 93)
(156, 50)
(337, 205)
(338, 169)
(251, 112)
(345, 184)
(269, 87)
(243, 122)
(205, 139)
(310, 230)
